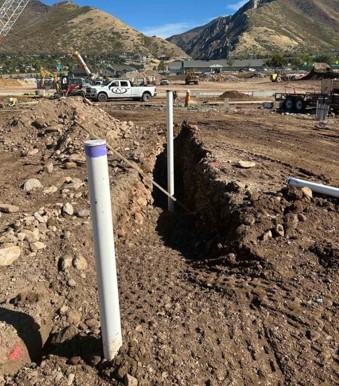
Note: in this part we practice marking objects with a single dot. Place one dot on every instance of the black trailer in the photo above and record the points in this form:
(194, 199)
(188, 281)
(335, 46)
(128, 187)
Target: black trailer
(300, 102)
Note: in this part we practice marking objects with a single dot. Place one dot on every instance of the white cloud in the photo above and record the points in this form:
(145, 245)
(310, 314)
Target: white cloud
(167, 30)
(237, 5)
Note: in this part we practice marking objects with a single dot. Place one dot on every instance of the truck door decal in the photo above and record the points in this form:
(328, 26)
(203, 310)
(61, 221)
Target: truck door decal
(119, 90)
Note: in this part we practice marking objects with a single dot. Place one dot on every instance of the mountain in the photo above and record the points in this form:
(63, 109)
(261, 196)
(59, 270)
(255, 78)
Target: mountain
(66, 27)
(265, 27)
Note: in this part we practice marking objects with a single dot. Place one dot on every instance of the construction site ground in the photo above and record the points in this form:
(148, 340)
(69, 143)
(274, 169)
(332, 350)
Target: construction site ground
(237, 287)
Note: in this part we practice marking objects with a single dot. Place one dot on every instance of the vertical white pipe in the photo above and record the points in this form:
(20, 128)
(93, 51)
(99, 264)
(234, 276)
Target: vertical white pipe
(170, 150)
(318, 188)
(100, 197)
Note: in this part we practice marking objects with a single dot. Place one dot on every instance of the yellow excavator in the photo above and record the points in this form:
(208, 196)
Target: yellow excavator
(44, 74)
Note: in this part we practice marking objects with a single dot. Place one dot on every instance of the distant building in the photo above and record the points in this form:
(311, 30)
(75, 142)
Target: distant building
(117, 70)
(214, 66)
(79, 72)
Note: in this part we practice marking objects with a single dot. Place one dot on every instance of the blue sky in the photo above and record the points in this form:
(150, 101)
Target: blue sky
(163, 18)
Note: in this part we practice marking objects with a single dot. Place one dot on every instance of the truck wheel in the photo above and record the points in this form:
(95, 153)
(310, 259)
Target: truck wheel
(146, 97)
(289, 104)
(278, 79)
(299, 105)
(102, 97)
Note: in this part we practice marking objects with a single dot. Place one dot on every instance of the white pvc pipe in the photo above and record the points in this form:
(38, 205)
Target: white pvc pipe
(170, 150)
(98, 181)
(318, 188)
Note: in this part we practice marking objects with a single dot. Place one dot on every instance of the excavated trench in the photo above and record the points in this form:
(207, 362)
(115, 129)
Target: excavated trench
(209, 209)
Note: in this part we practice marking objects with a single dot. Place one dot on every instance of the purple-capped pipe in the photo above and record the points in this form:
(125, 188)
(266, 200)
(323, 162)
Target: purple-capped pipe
(100, 197)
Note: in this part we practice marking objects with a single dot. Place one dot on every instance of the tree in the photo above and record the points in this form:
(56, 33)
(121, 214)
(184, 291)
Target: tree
(230, 63)
(324, 59)
(161, 66)
(278, 60)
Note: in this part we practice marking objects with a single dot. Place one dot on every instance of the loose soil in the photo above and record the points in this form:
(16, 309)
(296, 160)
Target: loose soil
(239, 286)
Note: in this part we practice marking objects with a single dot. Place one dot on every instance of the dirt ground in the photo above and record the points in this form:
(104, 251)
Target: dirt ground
(237, 287)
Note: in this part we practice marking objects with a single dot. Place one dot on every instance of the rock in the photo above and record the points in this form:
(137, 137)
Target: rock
(68, 209)
(38, 216)
(30, 236)
(65, 262)
(73, 316)
(9, 255)
(301, 217)
(48, 168)
(83, 213)
(279, 230)
(249, 220)
(32, 184)
(33, 152)
(142, 201)
(267, 236)
(50, 190)
(139, 218)
(231, 258)
(6, 208)
(130, 381)
(39, 123)
(70, 165)
(75, 184)
(245, 164)
(71, 283)
(307, 192)
(291, 220)
(37, 246)
(63, 310)
(80, 263)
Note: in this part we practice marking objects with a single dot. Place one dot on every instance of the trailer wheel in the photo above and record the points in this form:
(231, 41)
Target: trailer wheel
(102, 97)
(289, 104)
(299, 105)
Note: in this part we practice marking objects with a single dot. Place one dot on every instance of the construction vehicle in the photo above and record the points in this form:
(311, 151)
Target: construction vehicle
(82, 63)
(277, 77)
(191, 77)
(9, 14)
(54, 81)
(299, 102)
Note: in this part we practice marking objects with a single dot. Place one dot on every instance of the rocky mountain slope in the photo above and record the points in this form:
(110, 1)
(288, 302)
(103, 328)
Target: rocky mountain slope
(66, 26)
(264, 27)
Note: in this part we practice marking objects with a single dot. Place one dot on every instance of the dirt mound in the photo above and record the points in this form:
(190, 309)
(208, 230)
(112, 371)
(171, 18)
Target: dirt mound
(235, 95)
(5, 82)
(48, 221)
(321, 71)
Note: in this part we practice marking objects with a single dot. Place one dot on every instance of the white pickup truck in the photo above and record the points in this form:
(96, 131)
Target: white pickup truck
(121, 89)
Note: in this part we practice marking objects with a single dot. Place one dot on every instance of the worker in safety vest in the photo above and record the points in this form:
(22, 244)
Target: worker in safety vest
(187, 98)
(12, 102)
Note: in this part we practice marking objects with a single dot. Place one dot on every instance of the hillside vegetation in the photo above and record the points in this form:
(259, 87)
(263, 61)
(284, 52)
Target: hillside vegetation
(264, 27)
(66, 26)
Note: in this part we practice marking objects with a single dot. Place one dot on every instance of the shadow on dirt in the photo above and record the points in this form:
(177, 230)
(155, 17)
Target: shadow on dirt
(27, 330)
(72, 344)
(178, 230)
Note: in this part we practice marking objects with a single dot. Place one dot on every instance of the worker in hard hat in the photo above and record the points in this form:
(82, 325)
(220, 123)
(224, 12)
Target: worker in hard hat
(12, 102)
(187, 98)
